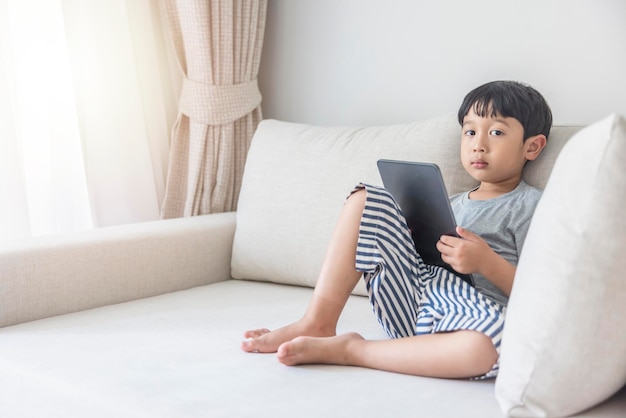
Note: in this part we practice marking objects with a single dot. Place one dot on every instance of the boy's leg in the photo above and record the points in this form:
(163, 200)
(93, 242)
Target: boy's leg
(337, 279)
(458, 354)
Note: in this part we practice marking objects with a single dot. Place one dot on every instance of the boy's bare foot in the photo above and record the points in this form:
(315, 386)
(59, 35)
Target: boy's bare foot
(265, 341)
(325, 350)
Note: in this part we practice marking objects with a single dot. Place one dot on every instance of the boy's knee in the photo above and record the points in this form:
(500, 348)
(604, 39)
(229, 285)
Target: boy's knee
(358, 197)
(482, 352)
(359, 194)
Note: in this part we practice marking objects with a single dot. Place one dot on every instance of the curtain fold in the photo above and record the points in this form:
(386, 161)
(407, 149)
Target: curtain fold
(218, 46)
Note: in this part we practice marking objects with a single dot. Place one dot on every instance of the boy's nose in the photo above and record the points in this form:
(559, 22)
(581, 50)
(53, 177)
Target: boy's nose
(479, 145)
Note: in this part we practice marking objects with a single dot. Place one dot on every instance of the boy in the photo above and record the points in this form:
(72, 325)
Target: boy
(439, 325)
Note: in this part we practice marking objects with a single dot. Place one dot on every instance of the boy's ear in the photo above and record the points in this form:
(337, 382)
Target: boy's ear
(534, 146)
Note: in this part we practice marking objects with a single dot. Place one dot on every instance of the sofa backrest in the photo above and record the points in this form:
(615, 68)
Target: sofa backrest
(297, 177)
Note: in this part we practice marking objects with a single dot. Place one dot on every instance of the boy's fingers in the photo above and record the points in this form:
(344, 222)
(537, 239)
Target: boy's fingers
(465, 234)
(444, 239)
(448, 239)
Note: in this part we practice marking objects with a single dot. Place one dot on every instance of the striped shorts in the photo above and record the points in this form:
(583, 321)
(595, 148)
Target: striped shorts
(409, 297)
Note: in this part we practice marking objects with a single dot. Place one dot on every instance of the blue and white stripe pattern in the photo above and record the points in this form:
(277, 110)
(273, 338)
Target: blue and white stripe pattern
(409, 297)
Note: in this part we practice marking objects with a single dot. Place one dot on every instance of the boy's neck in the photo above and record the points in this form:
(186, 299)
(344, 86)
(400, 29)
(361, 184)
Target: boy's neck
(488, 191)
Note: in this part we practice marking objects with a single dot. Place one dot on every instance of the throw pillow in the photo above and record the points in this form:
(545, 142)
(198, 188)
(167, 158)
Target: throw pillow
(564, 349)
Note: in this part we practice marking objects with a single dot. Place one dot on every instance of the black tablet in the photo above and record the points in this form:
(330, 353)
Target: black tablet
(419, 190)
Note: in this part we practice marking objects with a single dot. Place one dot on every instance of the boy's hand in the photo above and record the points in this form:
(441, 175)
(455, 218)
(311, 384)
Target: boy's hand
(471, 254)
(466, 253)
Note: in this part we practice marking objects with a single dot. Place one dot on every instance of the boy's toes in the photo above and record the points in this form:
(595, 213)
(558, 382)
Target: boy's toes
(256, 333)
(256, 340)
(265, 342)
(249, 346)
(257, 345)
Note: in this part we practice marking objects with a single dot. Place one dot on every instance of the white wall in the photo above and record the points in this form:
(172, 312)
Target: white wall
(370, 62)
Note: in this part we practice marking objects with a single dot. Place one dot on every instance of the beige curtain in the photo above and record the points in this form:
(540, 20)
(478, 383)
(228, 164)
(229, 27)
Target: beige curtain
(218, 45)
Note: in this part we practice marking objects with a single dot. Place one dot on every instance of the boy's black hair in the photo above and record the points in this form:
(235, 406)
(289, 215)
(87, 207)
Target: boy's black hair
(510, 99)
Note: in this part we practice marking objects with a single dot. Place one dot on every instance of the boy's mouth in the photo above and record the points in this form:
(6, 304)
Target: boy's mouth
(479, 164)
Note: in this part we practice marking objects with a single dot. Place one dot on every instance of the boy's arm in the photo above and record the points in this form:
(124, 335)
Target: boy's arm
(471, 254)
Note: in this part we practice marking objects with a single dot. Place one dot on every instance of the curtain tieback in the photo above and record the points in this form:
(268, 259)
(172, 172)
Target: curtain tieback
(218, 104)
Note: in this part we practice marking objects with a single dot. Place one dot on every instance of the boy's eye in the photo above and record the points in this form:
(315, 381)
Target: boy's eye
(496, 132)
(470, 132)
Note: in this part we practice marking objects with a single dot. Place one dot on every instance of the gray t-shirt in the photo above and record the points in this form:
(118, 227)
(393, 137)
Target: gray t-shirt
(502, 222)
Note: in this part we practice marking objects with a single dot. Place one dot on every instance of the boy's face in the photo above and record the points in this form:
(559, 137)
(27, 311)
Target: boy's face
(493, 150)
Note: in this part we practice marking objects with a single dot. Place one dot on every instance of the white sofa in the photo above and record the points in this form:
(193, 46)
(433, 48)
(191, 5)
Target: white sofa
(145, 320)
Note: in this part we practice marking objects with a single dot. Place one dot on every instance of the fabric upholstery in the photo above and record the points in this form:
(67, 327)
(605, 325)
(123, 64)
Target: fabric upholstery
(57, 274)
(178, 356)
(564, 349)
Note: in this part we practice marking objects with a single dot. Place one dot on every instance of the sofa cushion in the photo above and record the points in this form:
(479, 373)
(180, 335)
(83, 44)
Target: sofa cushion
(297, 177)
(177, 355)
(564, 349)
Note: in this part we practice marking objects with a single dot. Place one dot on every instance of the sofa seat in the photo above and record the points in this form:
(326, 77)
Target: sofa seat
(177, 355)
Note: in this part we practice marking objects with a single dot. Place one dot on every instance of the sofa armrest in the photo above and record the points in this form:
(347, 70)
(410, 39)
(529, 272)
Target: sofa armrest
(54, 275)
